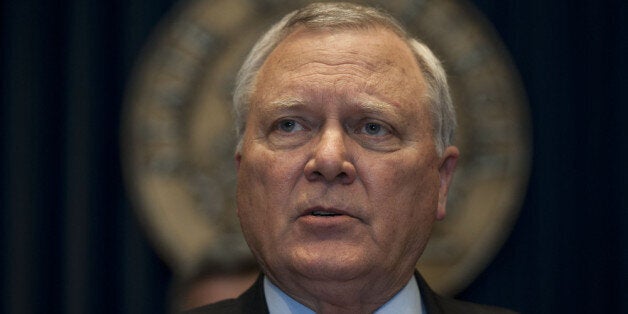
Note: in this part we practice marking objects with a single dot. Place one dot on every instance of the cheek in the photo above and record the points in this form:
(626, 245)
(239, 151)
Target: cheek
(402, 180)
(408, 194)
(264, 183)
(252, 199)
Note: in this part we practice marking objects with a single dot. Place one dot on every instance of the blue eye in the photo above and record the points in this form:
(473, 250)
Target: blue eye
(374, 129)
(289, 126)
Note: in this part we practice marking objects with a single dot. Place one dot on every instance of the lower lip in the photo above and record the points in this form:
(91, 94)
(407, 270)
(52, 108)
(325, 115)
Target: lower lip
(326, 222)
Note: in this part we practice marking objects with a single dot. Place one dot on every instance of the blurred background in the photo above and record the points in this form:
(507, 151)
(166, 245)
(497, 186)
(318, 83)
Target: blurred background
(71, 243)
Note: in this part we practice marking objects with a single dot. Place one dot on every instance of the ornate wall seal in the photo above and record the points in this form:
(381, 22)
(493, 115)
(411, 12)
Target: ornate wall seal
(178, 138)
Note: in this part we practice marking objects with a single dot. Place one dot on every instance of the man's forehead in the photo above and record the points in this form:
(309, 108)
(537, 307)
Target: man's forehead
(374, 49)
(351, 41)
(348, 65)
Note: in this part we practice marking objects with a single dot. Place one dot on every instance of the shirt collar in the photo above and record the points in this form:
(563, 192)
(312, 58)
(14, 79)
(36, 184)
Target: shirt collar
(406, 301)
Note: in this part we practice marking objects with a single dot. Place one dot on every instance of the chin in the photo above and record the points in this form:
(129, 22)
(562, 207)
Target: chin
(332, 265)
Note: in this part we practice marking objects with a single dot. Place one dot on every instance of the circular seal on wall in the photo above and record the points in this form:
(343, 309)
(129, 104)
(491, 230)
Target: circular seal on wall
(178, 134)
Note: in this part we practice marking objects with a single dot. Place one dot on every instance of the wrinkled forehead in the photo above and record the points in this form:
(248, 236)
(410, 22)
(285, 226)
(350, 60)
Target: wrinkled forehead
(375, 60)
(356, 43)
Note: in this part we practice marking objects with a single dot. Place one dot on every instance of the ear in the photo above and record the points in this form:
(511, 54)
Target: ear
(446, 171)
(237, 158)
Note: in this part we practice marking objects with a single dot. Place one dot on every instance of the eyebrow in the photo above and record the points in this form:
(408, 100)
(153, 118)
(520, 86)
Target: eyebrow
(378, 107)
(366, 105)
(287, 103)
(362, 103)
(373, 106)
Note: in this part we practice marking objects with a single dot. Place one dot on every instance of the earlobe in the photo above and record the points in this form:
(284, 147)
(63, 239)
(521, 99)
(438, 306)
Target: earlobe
(446, 172)
(237, 158)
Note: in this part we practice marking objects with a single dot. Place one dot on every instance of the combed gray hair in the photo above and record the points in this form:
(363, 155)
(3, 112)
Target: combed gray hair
(341, 15)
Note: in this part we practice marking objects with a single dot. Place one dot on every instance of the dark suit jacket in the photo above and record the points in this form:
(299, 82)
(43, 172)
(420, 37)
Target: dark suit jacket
(254, 301)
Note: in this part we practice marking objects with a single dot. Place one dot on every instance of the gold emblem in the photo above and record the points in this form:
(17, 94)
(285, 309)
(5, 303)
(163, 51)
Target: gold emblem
(178, 139)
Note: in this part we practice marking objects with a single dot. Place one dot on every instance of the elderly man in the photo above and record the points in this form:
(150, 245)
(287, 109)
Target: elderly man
(344, 162)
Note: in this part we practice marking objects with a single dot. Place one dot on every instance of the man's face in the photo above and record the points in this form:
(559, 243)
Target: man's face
(338, 177)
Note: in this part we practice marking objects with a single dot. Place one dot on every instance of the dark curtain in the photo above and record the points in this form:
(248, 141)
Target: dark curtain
(70, 242)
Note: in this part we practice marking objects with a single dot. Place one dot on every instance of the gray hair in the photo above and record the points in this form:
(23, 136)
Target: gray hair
(347, 16)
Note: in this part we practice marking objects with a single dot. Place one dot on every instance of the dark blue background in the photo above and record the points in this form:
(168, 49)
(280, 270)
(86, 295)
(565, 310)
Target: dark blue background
(70, 242)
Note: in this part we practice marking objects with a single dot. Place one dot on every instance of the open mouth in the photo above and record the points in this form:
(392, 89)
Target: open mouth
(322, 213)
(327, 217)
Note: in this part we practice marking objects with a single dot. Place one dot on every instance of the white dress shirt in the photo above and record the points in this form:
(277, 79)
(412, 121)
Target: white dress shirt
(406, 301)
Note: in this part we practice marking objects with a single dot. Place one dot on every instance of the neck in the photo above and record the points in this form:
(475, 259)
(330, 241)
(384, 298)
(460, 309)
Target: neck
(351, 296)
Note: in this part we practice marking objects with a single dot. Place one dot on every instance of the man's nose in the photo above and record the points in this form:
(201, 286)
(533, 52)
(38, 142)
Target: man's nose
(331, 160)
